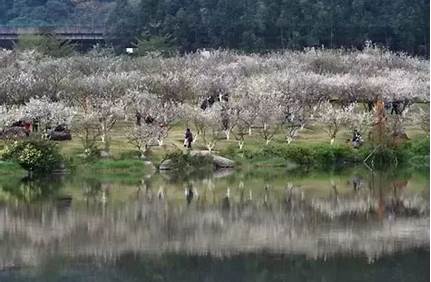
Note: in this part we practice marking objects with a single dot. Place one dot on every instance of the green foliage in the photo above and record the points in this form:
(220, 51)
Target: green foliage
(384, 157)
(30, 190)
(91, 151)
(321, 155)
(36, 156)
(266, 24)
(154, 45)
(257, 25)
(46, 45)
(334, 154)
(187, 162)
(414, 153)
(8, 168)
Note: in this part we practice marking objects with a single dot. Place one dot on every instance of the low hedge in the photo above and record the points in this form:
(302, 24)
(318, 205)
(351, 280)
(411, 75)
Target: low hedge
(326, 155)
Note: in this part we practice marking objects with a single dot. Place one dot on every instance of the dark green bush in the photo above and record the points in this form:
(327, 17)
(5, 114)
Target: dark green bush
(419, 147)
(329, 155)
(415, 152)
(35, 156)
(384, 157)
(304, 155)
(326, 155)
(182, 161)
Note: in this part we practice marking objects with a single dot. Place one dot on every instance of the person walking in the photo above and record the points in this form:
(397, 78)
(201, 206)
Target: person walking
(188, 138)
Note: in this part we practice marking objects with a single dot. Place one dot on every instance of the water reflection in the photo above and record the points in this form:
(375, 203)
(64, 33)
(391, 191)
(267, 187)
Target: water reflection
(317, 216)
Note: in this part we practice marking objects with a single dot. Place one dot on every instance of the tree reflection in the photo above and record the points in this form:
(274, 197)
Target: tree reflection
(226, 217)
(29, 190)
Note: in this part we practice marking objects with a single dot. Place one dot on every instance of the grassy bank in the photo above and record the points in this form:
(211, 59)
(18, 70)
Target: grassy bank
(310, 150)
(414, 153)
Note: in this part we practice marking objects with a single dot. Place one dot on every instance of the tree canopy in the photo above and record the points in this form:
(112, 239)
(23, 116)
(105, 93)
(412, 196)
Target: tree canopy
(249, 25)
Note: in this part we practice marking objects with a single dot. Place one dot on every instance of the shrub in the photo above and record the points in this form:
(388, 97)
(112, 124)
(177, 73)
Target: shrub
(384, 157)
(326, 155)
(182, 161)
(35, 156)
(415, 153)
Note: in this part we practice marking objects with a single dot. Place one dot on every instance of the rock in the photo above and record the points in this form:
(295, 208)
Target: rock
(104, 154)
(219, 161)
(150, 165)
(223, 172)
(222, 162)
(166, 165)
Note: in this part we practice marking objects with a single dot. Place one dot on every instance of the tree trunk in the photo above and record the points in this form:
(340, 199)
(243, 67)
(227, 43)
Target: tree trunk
(332, 140)
(143, 150)
(227, 133)
(241, 144)
(104, 137)
(210, 148)
(380, 123)
(195, 138)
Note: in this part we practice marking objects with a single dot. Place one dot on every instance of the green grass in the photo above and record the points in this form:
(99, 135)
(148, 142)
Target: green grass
(125, 157)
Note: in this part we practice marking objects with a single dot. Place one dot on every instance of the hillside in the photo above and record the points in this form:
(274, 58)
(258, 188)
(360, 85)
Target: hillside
(248, 25)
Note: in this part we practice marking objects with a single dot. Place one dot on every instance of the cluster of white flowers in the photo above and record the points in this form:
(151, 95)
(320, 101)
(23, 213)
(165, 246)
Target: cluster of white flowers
(276, 92)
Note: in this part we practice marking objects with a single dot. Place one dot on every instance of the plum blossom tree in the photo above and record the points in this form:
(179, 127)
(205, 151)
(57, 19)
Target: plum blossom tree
(85, 125)
(142, 135)
(211, 118)
(270, 115)
(156, 111)
(193, 116)
(207, 123)
(5, 117)
(333, 118)
(295, 120)
(359, 120)
(244, 114)
(102, 98)
(47, 113)
(16, 86)
(272, 92)
(422, 116)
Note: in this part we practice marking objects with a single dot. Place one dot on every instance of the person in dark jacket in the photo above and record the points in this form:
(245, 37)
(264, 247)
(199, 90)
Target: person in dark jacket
(357, 140)
(188, 138)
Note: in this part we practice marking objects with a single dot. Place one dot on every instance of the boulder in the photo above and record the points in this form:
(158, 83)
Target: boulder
(150, 165)
(104, 154)
(219, 161)
(222, 162)
(166, 165)
(223, 172)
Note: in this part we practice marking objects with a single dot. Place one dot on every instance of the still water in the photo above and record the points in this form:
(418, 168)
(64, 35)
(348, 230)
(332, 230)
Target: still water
(260, 225)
